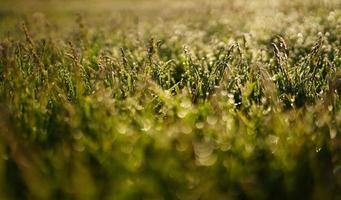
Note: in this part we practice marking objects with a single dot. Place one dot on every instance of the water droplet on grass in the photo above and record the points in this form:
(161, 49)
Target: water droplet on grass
(122, 129)
(182, 114)
(318, 149)
(330, 108)
(332, 133)
(212, 120)
(186, 104)
(204, 153)
(146, 126)
(199, 125)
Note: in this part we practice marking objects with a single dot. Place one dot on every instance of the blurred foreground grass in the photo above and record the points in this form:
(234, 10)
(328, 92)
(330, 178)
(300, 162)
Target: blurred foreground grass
(170, 99)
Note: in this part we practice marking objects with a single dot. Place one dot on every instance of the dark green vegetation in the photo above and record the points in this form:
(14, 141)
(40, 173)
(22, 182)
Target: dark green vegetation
(170, 100)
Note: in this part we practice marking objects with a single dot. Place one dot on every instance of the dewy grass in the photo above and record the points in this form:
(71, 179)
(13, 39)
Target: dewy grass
(195, 101)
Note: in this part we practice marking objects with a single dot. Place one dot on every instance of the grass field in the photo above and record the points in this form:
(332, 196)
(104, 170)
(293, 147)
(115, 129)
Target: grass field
(190, 99)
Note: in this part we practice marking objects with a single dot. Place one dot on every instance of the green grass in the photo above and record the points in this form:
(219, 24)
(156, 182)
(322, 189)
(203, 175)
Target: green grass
(170, 100)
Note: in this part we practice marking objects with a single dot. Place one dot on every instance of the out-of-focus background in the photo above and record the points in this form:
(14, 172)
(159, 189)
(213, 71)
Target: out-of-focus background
(105, 13)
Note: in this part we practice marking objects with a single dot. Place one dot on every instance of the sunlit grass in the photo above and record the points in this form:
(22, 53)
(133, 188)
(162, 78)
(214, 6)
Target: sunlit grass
(170, 100)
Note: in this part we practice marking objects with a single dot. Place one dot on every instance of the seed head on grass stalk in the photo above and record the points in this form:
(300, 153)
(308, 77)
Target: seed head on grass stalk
(40, 69)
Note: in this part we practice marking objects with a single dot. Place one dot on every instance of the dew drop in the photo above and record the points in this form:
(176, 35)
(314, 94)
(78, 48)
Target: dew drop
(182, 114)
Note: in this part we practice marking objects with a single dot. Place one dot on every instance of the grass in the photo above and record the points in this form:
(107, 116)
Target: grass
(170, 100)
